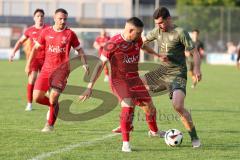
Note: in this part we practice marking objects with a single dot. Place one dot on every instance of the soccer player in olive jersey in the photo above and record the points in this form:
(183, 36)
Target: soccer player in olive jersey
(32, 33)
(98, 44)
(57, 41)
(122, 51)
(200, 47)
(172, 74)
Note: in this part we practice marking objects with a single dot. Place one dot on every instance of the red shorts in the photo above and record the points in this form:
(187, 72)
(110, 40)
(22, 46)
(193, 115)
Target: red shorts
(42, 82)
(132, 88)
(36, 64)
(56, 79)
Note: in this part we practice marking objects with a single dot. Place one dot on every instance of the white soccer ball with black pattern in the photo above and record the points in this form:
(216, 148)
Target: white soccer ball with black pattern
(173, 137)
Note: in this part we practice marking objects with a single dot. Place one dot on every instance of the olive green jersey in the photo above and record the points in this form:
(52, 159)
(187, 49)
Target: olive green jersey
(170, 75)
(173, 44)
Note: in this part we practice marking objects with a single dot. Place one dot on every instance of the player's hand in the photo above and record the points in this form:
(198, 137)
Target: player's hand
(11, 57)
(163, 58)
(86, 94)
(27, 69)
(198, 75)
(86, 69)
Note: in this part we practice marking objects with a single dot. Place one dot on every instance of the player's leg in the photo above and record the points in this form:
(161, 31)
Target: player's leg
(150, 114)
(53, 110)
(41, 86)
(178, 104)
(194, 80)
(31, 80)
(126, 118)
(106, 72)
(40, 97)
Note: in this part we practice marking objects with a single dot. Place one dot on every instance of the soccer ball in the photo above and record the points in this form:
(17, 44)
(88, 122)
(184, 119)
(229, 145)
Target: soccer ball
(173, 137)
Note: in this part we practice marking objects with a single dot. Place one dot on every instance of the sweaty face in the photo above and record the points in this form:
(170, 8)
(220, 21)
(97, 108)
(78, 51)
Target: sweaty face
(60, 20)
(135, 33)
(162, 23)
(39, 18)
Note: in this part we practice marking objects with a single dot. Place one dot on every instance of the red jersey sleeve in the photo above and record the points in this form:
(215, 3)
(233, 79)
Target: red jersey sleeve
(27, 33)
(97, 40)
(108, 49)
(41, 39)
(75, 42)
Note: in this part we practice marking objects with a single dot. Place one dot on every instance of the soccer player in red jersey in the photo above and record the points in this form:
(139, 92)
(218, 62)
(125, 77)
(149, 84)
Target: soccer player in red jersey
(98, 44)
(122, 51)
(32, 34)
(57, 41)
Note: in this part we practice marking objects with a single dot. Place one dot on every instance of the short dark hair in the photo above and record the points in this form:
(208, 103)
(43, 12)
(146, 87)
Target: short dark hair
(161, 12)
(136, 22)
(61, 10)
(196, 30)
(38, 10)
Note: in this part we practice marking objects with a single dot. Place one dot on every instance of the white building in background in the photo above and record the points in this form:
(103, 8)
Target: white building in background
(76, 8)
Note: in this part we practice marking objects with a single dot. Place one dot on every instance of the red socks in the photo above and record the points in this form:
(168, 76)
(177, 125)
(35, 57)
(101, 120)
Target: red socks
(126, 119)
(53, 113)
(151, 120)
(30, 92)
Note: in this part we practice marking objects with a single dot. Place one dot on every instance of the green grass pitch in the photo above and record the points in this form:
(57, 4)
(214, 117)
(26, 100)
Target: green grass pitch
(214, 105)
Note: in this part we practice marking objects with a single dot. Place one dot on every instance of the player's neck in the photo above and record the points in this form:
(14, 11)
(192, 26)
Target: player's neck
(57, 29)
(39, 26)
(125, 37)
(170, 27)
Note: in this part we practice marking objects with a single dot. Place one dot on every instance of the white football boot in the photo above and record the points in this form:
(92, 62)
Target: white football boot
(126, 147)
(28, 107)
(160, 134)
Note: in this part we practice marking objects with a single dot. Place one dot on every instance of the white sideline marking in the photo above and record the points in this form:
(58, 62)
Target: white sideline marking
(72, 146)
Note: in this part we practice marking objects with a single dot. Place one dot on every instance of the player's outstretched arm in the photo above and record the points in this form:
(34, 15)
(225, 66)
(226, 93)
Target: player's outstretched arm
(96, 73)
(197, 62)
(84, 60)
(150, 51)
(17, 46)
(30, 58)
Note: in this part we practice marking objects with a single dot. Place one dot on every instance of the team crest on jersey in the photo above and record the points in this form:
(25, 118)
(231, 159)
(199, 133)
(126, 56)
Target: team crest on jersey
(64, 40)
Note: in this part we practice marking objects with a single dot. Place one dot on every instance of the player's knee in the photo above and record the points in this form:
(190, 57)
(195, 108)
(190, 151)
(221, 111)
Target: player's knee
(37, 97)
(53, 98)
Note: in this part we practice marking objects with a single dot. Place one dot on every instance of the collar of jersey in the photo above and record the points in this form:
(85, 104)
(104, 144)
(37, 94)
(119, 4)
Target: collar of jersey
(60, 30)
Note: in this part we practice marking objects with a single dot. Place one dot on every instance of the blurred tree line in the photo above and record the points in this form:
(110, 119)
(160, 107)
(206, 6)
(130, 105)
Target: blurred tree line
(229, 3)
(218, 20)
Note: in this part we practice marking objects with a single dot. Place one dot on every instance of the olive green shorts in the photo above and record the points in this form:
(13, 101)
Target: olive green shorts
(165, 79)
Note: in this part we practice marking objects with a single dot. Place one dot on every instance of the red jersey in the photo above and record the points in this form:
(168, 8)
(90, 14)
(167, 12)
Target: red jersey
(123, 57)
(57, 46)
(101, 42)
(33, 33)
